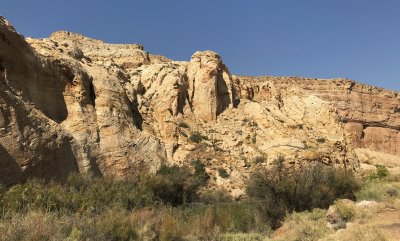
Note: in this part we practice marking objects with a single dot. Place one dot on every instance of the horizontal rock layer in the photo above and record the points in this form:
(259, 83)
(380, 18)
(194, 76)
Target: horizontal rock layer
(371, 115)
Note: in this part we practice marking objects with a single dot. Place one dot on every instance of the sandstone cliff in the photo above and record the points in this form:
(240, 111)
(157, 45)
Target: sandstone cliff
(61, 113)
(370, 115)
(72, 103)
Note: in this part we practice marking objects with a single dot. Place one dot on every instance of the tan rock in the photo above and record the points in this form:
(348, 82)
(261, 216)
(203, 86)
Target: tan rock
(61, 115)
(210, 85)
(370, 115)
(72, 103)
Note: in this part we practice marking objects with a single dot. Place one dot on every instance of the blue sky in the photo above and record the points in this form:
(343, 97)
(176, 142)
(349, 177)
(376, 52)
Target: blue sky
(357, 39)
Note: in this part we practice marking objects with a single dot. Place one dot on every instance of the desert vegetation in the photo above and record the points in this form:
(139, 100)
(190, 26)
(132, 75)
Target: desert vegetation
(283, 203)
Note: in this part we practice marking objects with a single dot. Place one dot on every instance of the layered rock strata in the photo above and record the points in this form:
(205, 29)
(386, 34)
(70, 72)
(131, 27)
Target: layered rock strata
(69, 103)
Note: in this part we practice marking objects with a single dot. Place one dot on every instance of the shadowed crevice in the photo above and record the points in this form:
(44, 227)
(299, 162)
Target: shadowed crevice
(223, 95)
(10, 171)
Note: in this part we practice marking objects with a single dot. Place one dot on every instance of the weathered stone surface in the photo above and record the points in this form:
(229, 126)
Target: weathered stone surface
(370, 115)
(31, 105)
(61, 114)
(72, 103)
(211, 86)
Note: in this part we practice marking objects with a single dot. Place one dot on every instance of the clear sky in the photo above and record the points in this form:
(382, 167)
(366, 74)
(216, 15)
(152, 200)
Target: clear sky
(357, 39)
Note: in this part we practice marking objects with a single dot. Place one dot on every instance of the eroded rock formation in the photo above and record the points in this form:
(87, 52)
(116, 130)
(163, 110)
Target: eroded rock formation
(370, 115)
(72, 103)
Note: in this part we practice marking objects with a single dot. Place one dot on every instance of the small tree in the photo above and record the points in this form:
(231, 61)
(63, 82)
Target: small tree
(280, 189)
(177, 185)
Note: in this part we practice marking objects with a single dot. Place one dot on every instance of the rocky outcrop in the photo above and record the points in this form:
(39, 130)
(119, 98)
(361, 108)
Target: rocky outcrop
(71, 103)
(61, 114)
(211, 86)
(370, 115)
(31, 105)
(126, 55)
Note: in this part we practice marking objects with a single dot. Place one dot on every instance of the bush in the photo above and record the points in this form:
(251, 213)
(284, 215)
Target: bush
(33, 226)
(365, 233)
(378, 191)
(280, 189)
(116, 225)
(223, 173)
(346, 210)
(236, 217)
(392, 192)
(78, 194)
(33, 195)
(197, 137)
(207, 225)
(305, 226)
(212, 219)
(218, 196)
(177, 185)
(200, 170)
(260, 159)
(173, 185)
(170, 230)
(380, 173)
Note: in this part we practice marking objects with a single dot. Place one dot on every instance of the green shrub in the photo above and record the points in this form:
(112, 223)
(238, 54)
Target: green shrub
(380, 173)
(378, 191)
(197, 137)
(321, 140)
(280, 189)
(33, 195)
(78, 194)
(102, 193)
(235, 217)
(200, 171)
(177, 185)
(223, 173)
(200, 175)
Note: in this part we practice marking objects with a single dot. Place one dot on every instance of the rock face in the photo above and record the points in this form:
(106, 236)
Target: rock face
(59, 114)
(70, 103)
(370, 115)
(211, 86)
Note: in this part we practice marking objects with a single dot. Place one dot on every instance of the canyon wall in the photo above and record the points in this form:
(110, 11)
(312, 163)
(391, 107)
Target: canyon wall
(370, 115)
(70, 103)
